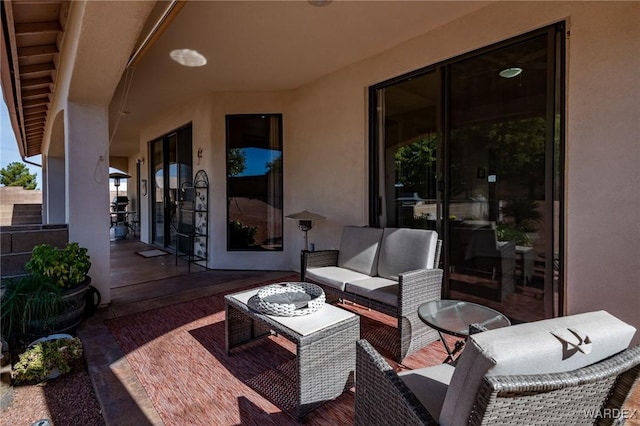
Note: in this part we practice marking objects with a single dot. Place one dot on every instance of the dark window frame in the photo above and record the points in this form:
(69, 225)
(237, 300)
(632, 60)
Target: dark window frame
(557, 42)
(233, 246)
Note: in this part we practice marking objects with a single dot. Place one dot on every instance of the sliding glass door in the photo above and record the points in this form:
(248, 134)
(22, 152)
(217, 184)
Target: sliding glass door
(171, 167)
(407, 116)
(471, 148)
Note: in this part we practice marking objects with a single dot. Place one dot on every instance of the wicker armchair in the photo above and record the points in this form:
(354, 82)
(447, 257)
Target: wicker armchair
(400, 299)
(592, 394)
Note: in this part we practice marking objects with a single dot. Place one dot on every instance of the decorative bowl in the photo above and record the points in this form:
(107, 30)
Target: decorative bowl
(288, 299)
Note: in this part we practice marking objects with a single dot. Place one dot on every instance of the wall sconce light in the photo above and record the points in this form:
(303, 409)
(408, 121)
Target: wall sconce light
(199, 152)
(306, 220)
(140, 160)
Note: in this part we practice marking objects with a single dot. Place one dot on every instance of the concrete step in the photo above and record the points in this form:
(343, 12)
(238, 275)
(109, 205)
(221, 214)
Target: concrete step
(12, 264)
(25, 219)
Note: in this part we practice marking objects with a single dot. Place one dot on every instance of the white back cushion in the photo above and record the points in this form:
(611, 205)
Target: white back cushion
(404, 250)
(547, 346)
(359, 248)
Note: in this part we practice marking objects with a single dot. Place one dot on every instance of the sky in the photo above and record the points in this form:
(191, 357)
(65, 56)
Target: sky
(9, 147)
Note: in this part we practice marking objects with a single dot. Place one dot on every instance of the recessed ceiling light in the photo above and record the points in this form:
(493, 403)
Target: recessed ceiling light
(510, 72)
(188, 57)
(319, 3)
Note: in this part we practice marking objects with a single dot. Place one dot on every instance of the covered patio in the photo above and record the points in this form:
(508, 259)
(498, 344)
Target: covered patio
(88, 98)
(152, 284)
(327, 106)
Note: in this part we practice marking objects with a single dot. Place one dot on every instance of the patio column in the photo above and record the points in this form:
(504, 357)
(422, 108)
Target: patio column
(87, 183)
(54, 191)
(53, 167)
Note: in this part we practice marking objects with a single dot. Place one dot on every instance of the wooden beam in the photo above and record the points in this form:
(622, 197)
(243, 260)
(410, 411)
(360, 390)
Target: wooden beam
(29, 28)
(34, 110)
(34, 118)
(35, 68)
(33, 82)
(35, 102)
(36, 93)
(39, 123)
(46, 49)
(35, 133)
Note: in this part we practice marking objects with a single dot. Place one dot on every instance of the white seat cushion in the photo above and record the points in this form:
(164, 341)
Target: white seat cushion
(404, 250)
(377, 288)
(359, 248)
(429, 385)
(333, 276)
(547, 346)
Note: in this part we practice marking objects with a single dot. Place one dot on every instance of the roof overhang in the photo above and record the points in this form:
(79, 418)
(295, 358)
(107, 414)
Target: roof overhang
(32, 34)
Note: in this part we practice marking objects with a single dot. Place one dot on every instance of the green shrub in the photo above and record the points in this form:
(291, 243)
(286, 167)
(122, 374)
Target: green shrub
(506, 232)
(26, 300)
(66, 268)
(47, 358)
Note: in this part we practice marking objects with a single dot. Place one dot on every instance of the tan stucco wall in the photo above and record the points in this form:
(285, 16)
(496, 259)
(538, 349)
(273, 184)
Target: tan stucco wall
(207, 115)
(325, 144)
(603, 153)
(603, 170)
(12, 195)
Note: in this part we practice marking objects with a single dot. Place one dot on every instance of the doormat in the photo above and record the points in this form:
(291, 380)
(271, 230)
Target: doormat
(152, 253)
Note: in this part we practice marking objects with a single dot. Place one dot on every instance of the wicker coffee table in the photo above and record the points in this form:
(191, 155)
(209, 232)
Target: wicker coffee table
(325, 340)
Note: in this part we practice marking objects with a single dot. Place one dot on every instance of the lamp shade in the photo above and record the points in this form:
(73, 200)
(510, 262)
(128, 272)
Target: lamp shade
(118, 175)
(305, 215)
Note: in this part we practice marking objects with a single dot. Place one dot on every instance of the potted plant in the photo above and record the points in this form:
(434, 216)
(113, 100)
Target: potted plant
(25, 300)
(52, 298)
(66, 268)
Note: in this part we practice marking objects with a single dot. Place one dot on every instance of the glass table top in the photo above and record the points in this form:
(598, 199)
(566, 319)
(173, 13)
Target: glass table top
(453, 317)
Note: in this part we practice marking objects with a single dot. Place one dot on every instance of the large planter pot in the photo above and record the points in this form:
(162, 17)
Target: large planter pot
(74, 304)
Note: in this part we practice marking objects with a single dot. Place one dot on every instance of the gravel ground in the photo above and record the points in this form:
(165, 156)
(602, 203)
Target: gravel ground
(68, 400)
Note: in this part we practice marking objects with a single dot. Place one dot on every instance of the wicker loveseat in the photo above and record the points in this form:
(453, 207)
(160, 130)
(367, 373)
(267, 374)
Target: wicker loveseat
(390, 270)
(563, 371)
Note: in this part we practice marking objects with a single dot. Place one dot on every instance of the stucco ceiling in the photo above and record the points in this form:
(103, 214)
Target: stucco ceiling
(265, 46)
(249, 46)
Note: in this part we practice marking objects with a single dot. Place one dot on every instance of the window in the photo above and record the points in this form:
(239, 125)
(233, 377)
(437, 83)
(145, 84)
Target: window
(254, 182)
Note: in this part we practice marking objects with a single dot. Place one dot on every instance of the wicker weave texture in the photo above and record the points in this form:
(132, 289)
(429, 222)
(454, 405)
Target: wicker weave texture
(415, 288)
(325, 359)
(578, 397)
(261, 302)
(382, 398)
(570, 398)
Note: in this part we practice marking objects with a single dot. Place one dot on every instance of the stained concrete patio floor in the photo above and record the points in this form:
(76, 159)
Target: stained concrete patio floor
(139, 284)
